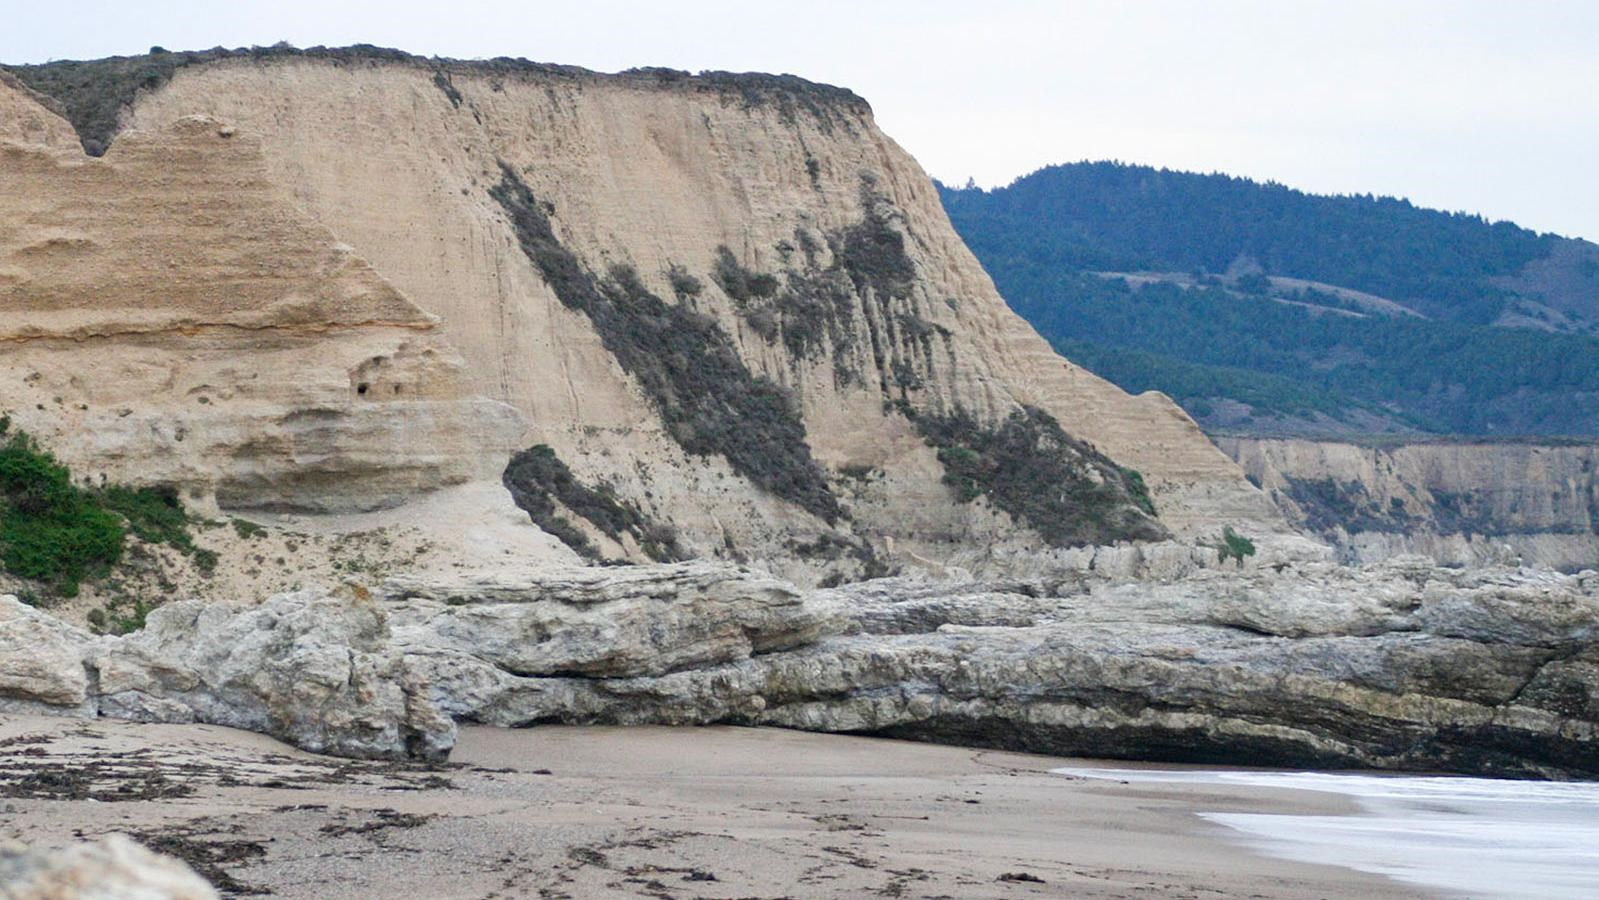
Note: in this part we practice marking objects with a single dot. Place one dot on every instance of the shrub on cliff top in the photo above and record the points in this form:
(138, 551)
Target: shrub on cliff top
(91, 94)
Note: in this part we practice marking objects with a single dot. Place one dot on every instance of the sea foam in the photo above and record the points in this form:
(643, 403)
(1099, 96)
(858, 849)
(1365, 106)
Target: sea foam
(1468, 837)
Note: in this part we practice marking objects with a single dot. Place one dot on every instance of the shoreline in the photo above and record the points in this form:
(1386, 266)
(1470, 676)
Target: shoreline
(649, 811)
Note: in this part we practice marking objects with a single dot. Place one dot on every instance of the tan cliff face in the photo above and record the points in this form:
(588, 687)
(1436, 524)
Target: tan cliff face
(1465, 503)
(169, 320)
(865, 307)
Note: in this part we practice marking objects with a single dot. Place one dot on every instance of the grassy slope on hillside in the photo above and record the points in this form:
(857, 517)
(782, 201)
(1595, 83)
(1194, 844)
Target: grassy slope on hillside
(1229, 341)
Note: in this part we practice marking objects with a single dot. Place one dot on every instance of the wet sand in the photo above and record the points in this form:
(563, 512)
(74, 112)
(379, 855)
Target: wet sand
(646, 812)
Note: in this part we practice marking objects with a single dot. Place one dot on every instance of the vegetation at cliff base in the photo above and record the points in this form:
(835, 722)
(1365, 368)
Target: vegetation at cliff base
(1027, 465)
(53, 531)
(50, 529)
(538, 479)
(1234, 546)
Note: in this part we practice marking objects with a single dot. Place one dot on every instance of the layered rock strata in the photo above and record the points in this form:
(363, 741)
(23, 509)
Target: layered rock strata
(170, 319)
(1402, 666)
(1462, 503)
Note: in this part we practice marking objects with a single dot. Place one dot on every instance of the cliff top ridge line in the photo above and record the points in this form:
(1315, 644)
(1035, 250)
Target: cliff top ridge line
(91, 94)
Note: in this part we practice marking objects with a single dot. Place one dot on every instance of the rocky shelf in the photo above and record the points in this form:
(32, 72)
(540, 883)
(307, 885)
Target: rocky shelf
(1400, 666)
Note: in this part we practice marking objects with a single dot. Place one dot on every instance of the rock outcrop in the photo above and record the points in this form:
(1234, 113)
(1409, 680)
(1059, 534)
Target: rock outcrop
(611, 623)
(112, 868)
(316, 671)
(338, 279)
(1399, 666)
(1461, 503)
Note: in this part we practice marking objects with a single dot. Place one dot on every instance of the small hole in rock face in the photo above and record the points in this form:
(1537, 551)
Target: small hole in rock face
(361, 388)
(396, 389)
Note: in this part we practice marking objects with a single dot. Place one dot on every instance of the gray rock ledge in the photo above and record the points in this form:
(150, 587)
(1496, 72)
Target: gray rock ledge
(1398, 666)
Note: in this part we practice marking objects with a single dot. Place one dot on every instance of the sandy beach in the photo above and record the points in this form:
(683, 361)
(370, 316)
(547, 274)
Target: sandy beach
(651, 812)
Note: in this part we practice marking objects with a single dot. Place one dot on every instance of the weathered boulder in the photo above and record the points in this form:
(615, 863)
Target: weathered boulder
(112, 868)
(327, 672)
(317, 671)
(42, 662)
(610, 622)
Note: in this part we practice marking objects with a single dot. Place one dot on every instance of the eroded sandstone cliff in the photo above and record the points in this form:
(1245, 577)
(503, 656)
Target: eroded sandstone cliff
(329, 279)
(1461, 503)
(170, 319)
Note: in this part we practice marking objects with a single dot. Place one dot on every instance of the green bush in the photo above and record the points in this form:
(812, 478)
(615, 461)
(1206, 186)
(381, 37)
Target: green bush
(156, 515)
(1235, 546)
(811, 311)
(50, 529)
(1028, 466)
(740, 283)
(1137, 489)
(53, 531)
(248, 530)
(111, 620)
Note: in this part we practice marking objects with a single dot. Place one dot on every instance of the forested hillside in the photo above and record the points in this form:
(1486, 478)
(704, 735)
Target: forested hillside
(1261, 308)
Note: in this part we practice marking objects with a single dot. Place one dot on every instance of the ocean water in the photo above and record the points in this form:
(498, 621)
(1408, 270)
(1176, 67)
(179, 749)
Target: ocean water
(1465, 837)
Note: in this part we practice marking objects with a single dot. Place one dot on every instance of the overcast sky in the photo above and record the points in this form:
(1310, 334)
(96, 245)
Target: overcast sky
(1490, 107)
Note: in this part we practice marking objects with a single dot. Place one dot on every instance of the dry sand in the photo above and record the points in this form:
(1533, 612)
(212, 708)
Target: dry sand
(653, 812)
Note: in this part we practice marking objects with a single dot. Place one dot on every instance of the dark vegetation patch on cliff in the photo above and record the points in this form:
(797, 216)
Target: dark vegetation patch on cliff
(832, 547)
(91, 94)
(448, 88)
(1069, 493)
(872, 251)
(1330, 504)
(866, 289)
(53, 531)
(537, 479)
(684, 361)
(809, 310)
(1475, 512)
(872, 255)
